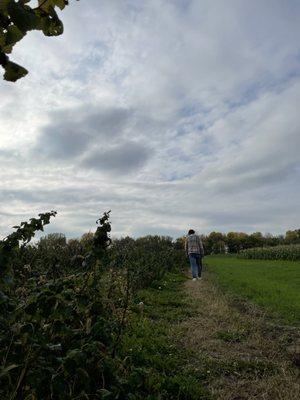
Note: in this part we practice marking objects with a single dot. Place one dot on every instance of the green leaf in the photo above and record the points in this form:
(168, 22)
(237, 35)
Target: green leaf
(8, 49)
(3, 59)
(4, 6)
(2, 40)
(105, 394)
(17, 17)
(50, 4)
(52, 26)
(13, 35)
(61, 4)
(13, 72)
(23, 17)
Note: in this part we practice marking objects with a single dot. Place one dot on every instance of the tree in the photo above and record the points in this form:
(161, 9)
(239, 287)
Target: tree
(292, 237)
(214, 243)
(53, 240)
(16, 19)
(271, 240)
(86, 240)
(256, 239)
(237, 241)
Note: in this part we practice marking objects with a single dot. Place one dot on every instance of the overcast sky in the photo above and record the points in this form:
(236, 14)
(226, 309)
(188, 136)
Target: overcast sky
(174, 114)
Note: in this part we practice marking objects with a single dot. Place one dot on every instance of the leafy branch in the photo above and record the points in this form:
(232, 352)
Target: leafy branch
(16, 19)
(23, 234)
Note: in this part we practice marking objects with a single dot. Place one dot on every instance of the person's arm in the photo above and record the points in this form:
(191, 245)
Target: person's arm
(201, 246)
(186, 247)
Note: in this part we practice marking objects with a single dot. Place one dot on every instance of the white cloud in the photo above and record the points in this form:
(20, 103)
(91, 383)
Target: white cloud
(172, 114)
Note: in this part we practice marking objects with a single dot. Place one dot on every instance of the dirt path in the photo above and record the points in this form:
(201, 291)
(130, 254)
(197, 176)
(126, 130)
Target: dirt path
(245, 355)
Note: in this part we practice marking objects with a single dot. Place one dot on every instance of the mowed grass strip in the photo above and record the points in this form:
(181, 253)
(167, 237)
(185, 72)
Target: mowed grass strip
(274, 285)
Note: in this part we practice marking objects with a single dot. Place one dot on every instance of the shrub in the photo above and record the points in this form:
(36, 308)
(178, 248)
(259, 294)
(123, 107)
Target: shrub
(61, 321)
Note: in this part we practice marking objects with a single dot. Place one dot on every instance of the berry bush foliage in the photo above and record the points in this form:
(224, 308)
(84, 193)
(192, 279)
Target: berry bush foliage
(64, 308)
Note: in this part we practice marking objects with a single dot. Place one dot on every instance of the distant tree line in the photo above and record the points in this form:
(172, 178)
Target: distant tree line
(234, 242)
(54, 252)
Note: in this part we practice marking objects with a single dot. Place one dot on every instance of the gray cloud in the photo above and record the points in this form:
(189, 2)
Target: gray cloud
(95, 139)
(62, 142)
(120, 159)
(66, 196)
(71, 132)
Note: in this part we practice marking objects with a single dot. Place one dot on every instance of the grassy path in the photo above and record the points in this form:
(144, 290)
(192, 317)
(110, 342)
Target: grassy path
(241, 354)
(159, 366)
(191, 341)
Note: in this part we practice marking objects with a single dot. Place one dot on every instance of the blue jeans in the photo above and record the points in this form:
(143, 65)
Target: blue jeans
(196, 264)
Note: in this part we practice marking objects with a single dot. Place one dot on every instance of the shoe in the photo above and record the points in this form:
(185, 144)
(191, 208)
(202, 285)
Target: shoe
(194, 279)
(199, 278)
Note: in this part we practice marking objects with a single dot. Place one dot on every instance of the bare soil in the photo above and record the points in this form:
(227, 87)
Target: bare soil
(246, 355)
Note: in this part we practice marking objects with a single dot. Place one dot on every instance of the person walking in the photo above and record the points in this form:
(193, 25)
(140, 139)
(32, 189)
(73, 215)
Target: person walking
(195, 252)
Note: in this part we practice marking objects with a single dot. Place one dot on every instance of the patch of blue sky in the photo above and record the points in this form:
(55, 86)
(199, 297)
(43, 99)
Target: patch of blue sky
(177, 176)
(187, 127)
(183, 5)
(178, 154)
(118, 77)
(267, 83)
(247, 94)
(297, 167)
(200, 127)
(289, 77)
(192, 110)
(207, 145)
(94, 58)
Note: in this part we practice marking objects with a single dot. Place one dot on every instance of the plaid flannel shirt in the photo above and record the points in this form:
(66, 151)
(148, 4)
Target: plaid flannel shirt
(193, 244)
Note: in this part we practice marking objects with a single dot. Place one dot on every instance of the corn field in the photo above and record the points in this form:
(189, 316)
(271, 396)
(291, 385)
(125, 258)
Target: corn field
(284, 252)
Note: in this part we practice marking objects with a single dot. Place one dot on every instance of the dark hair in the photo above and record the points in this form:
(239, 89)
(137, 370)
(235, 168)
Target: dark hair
(191, 232)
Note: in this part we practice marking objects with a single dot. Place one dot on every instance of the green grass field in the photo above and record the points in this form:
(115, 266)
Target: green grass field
(274, 285)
